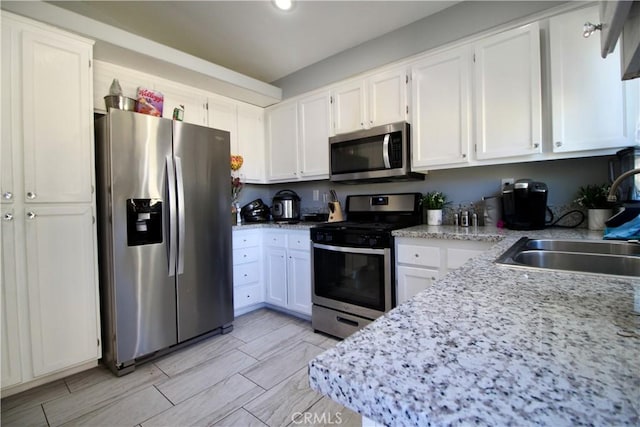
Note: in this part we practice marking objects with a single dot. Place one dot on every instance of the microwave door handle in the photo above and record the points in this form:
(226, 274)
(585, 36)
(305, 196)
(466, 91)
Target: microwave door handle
(385, 151)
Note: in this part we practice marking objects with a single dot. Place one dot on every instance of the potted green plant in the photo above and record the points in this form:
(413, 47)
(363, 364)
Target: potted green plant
(433, 202)
(593, 197)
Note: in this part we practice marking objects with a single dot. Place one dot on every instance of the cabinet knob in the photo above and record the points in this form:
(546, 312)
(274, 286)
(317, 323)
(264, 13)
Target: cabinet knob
(31, 215)
(416, 255)
(7, 195)
(31, 195)
(558, 143)
(464, 156)
(536, 145)
(8, 216)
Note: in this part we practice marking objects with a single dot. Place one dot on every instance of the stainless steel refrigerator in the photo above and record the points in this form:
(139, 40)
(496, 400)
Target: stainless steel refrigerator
(165, 235)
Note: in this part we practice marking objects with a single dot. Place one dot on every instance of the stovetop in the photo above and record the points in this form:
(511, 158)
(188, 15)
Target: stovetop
(364, 226)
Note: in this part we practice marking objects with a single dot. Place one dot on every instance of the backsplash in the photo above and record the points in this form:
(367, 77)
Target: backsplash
(462, 186)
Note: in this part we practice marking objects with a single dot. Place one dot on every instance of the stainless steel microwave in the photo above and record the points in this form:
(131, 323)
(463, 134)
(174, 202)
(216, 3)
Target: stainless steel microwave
(379, 154)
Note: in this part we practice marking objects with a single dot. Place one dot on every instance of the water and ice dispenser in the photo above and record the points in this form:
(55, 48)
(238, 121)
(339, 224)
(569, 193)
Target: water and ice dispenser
(144, 221)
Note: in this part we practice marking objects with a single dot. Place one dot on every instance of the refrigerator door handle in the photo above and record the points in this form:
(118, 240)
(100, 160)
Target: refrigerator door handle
(173, 234)
(181, 216)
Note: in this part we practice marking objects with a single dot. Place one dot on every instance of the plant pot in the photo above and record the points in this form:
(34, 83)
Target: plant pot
(597, 218)
(434, 216)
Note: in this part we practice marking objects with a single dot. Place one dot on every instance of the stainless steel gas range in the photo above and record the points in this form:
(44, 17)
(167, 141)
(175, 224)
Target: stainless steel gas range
(352, 261)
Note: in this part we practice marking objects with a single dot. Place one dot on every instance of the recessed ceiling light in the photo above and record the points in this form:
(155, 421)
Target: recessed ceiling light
(283, 4)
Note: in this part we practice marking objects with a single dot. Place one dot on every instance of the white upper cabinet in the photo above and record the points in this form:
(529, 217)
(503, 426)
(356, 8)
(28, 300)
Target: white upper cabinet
(349, 107)
(387, 97)
(589, 107)
(282, 142)
(297, 133)
(441, 108)
(251, 142)
(508, 91)
(376, 100)
(245, 124)
(194, 103)
(57, 138)
(314, 116)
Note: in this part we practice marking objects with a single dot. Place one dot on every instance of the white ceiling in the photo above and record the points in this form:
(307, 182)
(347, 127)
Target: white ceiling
(253, 37)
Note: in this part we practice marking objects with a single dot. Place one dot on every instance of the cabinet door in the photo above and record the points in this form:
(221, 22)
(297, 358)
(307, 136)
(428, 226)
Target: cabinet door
(441, 108)
(387, 97)
(587, 95)
(57, 118)
(9, 100)
(276, 276)
(413, 280)
(10, 344)
(299, 281)
(349, 107)
(314, 114)
(508, 94)
(194, 103)
(282, 142)
(62, 286)
(251, 142)
(223, 115)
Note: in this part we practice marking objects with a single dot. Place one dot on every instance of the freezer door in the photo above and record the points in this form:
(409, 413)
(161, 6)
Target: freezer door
(143, 288)
(204, 269)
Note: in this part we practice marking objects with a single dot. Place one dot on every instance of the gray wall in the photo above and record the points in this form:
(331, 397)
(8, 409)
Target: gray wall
(455, 23)
(463, 185)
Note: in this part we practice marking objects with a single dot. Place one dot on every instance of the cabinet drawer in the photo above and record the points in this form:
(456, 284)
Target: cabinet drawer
(244, 255)
(427, 256)
(300, 241)
(244, 296)
(275, 239)
(245, 239)
(246, 273)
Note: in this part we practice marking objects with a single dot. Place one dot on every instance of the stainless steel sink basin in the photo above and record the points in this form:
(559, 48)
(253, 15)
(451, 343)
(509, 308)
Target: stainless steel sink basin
(585, 246)
(599, 257)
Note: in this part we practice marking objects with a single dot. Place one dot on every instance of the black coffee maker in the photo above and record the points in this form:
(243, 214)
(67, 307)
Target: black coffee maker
(524, 205)
(625, 160)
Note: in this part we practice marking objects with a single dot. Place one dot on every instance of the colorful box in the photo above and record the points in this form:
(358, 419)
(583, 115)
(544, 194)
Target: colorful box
(150, 102)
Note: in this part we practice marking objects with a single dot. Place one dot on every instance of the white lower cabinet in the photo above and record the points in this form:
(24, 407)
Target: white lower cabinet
(60, 250)
(248, 288)
(420, 262)
(288, 270)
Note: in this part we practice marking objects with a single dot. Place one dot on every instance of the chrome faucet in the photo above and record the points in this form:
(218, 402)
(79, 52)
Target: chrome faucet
(611, 197)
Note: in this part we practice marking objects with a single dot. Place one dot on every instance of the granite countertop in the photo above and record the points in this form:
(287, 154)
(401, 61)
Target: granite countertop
(302, 225)
(495, 345)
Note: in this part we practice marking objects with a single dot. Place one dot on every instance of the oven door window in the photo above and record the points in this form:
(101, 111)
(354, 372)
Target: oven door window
(354, 278)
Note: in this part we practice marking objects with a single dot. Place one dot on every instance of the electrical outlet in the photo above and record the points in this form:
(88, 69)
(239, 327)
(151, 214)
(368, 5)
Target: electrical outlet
(316, 195)
(506, 181)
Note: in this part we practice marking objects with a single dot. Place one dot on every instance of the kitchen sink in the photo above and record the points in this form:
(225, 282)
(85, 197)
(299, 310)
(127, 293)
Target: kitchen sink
(599, 257)
(585, 246)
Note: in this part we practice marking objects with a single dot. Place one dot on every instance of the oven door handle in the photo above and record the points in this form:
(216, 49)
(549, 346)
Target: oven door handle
(385, 151)
(366, 251)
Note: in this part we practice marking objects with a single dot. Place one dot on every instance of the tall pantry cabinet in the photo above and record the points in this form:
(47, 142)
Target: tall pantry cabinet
(50, 316)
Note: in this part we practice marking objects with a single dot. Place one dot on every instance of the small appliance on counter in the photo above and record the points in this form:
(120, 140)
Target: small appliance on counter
(255, 211)
(626, 160)
(285, 206)
(524, 205)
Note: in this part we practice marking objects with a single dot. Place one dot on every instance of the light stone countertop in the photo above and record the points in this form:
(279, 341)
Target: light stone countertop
(495, 345)
(302, 225)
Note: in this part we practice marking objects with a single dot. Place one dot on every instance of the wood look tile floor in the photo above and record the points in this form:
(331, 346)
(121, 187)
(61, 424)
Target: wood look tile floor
(254, 376)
